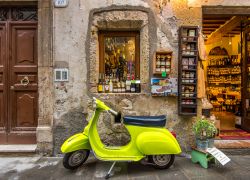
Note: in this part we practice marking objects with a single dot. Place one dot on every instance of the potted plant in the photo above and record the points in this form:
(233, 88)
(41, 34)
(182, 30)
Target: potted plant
(205, 132)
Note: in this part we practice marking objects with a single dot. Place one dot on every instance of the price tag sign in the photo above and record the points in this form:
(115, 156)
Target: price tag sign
(220, 156)
(61, 3)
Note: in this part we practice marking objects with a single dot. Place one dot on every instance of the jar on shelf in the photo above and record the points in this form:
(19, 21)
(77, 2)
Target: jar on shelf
(191, 75)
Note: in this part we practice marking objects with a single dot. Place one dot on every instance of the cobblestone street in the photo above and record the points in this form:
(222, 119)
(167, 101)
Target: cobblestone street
(25, 168)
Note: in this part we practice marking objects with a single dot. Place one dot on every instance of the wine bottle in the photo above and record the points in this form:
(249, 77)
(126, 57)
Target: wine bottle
(137, 85)
(100, 90)
(110, 86)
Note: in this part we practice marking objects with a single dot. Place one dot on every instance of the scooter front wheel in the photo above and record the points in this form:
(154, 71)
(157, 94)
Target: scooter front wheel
(75, 159)
(163, 161)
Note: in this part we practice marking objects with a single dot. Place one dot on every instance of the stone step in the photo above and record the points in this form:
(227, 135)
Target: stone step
(18, 148)
(234, 147)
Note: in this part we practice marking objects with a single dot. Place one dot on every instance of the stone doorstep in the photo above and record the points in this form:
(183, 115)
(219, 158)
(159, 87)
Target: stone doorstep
(233, 147)
(17, 148)
(232, 143)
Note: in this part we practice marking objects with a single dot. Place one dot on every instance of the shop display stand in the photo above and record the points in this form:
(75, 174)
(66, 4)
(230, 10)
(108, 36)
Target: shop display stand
(202, 157)
(224, 72)
(162, 62)
(187, 79)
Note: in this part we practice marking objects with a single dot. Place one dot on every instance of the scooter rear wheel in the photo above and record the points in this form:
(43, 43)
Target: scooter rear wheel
(163, 161)
(75, 159)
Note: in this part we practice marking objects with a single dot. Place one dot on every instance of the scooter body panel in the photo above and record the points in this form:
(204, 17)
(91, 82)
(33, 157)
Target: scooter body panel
(76, 142)
(156, 143)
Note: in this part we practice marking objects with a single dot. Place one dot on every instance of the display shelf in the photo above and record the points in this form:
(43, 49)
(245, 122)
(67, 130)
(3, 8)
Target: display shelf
(162, 62)
(187, 78)
(223, 76)
(187, 83)
(191, 70)
(189, 105)
(188, 55)
(223, 66)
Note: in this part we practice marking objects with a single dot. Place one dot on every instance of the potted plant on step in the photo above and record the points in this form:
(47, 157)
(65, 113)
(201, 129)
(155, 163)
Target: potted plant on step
(205, 132)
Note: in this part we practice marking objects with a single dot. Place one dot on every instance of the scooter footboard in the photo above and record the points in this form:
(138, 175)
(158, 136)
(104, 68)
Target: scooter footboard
(153, 143)
(75, 142)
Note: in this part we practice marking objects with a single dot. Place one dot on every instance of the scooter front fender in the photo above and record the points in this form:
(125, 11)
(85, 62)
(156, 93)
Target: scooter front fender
(155, 143)
(76, 142)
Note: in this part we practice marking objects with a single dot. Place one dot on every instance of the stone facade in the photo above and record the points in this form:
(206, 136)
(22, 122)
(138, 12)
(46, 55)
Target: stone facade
(76, 44)
(68, 39)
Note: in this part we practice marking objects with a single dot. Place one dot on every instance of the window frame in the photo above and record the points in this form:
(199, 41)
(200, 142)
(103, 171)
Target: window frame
(103, 34)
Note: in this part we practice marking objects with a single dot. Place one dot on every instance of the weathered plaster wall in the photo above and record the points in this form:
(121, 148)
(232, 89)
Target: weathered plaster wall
(73, 46)
(72, 30)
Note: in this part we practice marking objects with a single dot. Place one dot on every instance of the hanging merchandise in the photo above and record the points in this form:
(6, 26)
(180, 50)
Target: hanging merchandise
(201, 90)
(201, 46)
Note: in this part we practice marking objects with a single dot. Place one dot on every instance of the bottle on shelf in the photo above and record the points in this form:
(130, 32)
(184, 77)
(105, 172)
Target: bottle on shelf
(100, 84)
(103, 83)
(123, 88)
(110, 86)
(137, 85)
(107, 86)
(115, 90)
(119, 90)
(128, 84)
(132, 87)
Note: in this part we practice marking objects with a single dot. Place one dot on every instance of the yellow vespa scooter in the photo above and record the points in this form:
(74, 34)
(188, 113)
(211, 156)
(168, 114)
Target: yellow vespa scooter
(149, 139)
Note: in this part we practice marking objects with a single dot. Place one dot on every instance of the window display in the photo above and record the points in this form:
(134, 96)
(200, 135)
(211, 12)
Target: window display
(162, 62)
(119, 62)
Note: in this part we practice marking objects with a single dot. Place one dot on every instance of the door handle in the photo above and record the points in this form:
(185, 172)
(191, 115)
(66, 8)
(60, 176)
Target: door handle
(12, 87)
(25, 81)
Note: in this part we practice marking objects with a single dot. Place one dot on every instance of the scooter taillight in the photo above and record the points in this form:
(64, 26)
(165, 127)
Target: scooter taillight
(173, 133)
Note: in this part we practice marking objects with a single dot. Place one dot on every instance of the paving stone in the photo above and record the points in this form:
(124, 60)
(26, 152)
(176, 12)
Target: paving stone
(238, 174)
(242, 161)
(145, 177)
(136, 169)
(31, 168)
(169, 174)
(192, 170)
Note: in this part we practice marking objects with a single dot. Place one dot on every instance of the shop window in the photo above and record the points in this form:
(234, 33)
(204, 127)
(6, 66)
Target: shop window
(119, 67)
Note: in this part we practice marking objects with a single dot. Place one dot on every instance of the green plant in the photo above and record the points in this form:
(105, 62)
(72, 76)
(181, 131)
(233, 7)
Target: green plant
(204, 129)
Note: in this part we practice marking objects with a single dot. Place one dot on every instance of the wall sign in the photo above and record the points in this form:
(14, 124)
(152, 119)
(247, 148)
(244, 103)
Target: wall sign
(61, 3)
(164, 86)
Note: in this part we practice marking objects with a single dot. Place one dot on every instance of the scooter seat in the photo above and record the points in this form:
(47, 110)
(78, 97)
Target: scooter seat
(153, 121)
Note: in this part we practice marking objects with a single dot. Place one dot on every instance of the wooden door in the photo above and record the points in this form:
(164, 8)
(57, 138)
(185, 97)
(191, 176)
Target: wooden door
(3, 98)
(246, 81)
(18, 67)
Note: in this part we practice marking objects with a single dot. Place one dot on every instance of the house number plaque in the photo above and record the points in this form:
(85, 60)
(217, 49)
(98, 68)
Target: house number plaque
(61, 3)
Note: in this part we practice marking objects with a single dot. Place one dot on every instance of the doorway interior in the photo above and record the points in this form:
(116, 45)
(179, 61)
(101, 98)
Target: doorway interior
(227, 68)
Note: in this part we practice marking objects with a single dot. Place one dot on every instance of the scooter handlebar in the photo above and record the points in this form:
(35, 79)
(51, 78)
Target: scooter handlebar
(113, 112)
(110, 110)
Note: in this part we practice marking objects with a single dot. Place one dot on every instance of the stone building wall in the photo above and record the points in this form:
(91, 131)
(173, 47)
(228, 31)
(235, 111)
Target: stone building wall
(75, 46)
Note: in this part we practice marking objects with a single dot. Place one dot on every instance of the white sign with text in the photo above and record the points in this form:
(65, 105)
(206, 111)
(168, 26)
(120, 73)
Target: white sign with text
(220, 156)
(61, 3)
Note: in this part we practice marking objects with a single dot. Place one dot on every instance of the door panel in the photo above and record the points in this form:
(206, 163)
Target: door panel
(26, 113)
(23, 83)
(3, 107)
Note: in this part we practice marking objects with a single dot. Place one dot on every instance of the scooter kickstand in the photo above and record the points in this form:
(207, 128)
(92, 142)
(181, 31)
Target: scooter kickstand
(109, 172)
